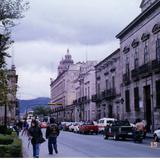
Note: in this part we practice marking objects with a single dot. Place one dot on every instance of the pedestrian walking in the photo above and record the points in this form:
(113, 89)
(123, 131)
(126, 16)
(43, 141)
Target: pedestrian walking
(25, 128)
(16, 128)
(52, 132)
(35, 135)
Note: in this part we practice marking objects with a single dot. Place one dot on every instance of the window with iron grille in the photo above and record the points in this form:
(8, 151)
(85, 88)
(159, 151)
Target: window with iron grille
(146, 54)
(158, 49)
(136, 99)
(136, 59)
(127, 66)
(158, 93)
(127, 100)
(107, 85)
(113, 82)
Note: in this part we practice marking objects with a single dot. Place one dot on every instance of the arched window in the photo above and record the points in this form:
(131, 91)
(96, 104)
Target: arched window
(156, 28)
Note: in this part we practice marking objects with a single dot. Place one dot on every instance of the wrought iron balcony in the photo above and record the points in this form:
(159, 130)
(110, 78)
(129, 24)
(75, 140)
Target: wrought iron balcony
(145, 70)
(135, 74)
(126, 79)
(109, 94)
(96, 98)
(156, 66)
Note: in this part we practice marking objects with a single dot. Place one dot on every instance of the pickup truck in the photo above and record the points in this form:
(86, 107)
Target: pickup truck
(118, 129)
(87, 128)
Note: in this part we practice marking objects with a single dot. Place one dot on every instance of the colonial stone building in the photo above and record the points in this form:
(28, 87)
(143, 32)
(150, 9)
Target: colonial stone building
(140, 64)
(63, 90)
(108, 87)
(12, 102)
(85, 109)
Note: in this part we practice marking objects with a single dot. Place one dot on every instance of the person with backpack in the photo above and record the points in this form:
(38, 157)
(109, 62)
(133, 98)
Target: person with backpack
(52, 132)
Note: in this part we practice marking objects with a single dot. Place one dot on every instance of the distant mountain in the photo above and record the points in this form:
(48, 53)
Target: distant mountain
(24, 104)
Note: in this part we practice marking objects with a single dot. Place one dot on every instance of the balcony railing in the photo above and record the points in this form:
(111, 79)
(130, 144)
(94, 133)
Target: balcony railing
(126, 79)
(109, 94)
(145, 70)
(135, 74)
(156, 66)
(96, 98)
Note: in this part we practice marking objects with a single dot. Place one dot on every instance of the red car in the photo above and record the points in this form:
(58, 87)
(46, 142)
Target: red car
(43, 125)
(87, 128)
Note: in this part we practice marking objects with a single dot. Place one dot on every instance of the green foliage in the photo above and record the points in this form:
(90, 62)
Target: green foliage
(5, 130)
(42, 110)
(11, 10)
(6, 139)
(13, 150)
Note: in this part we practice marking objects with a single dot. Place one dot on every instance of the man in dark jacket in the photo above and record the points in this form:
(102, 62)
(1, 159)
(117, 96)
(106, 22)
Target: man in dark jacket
(35, 135)
(52, 132)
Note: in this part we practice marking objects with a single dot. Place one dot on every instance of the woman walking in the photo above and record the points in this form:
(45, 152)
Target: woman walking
(35, 135)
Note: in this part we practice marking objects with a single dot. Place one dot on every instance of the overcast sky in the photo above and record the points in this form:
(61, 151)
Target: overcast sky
(52, 26)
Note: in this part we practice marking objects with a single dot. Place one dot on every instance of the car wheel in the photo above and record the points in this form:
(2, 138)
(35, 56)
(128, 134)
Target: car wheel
(105, 137)
(115, 137)
(156, 138)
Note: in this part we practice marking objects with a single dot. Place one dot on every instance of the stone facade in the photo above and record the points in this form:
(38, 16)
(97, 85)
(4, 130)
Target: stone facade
(140, 59)
(63, 90)
(108, 87)
(85, 109)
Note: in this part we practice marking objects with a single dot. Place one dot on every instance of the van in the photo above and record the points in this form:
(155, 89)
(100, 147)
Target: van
(103, 122)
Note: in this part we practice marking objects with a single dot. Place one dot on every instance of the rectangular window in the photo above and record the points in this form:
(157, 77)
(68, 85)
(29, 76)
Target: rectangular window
(146, 54)
(158, 93)
(98, 88)
(88, 92)
(127, 66)
(136, 99)
(85, 91)
(107, 86)
(136, 59)
(127, 101)
(113, 82)
(158, 49)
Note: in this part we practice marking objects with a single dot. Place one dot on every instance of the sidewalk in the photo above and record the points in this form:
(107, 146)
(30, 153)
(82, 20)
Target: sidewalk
(64, 151)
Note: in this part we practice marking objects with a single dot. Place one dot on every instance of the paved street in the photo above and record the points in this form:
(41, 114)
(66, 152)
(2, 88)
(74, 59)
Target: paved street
(75, 145)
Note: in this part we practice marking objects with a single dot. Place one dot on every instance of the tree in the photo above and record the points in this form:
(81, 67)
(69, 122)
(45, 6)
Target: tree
(10, 11)
(42, 110)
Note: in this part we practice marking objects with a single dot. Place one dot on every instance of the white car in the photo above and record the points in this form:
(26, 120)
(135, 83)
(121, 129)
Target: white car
(71, 127)
(157, 135)
(102, 123)
(76, 127)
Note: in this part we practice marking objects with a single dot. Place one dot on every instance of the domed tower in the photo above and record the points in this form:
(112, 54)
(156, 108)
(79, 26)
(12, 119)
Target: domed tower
(65, 63)
(145, 4)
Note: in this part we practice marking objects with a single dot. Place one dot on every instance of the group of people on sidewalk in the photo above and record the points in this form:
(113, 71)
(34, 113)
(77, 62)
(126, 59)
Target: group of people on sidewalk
(36, 137)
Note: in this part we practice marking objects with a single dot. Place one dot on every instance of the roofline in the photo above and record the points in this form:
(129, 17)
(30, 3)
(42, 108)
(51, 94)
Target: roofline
(116, 51)
(58, 77)
(138, 19)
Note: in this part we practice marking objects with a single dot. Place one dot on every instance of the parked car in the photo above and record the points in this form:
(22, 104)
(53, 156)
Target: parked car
(71, 127)
(76, 127)
(43, 125)
(66, 126)
(87, 128)
(157, 135)
(118, 129)
(102, 123)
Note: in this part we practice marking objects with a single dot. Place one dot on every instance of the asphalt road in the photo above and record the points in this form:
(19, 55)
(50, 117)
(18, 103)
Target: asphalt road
(80, 146)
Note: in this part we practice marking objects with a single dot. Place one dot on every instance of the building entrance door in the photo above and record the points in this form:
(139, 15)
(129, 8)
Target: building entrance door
(147, 103)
